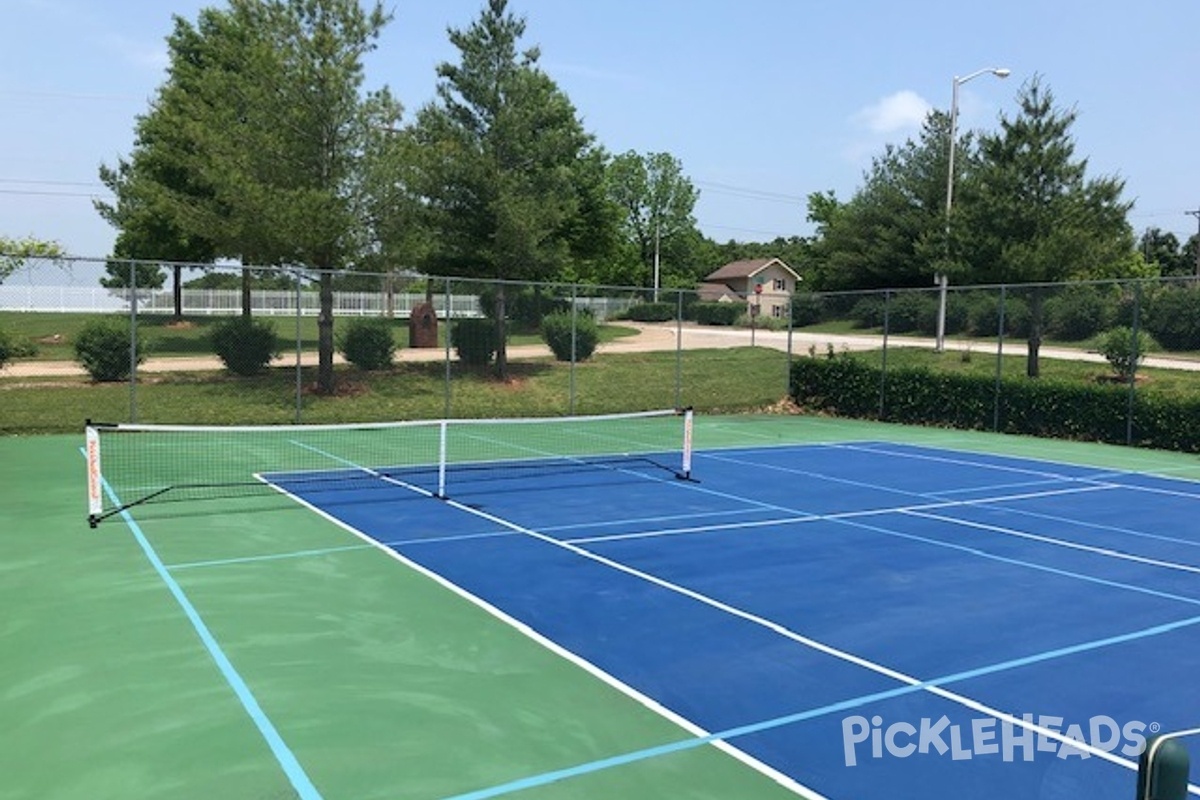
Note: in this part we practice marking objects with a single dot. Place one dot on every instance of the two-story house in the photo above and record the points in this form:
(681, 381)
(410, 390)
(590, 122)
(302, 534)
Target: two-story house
(765, 285)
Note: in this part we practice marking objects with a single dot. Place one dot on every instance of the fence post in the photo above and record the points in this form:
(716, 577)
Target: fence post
(133, 348)
(574, 339)
(999, 363)
(1133, 362)
(679, 348)
(787, 380)
(449, 330)
(887, 310)
(299, 351)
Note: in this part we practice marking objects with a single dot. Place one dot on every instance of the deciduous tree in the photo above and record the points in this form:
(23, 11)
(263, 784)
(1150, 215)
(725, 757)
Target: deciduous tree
(264, 116)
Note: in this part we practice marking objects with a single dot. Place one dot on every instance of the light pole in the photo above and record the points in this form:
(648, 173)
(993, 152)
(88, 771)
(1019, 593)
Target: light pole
(941, 280)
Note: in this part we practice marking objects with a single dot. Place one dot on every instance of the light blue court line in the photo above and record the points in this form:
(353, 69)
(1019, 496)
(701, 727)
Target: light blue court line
(908, 681)
(680, 745)
(222, 562)
(287, 760)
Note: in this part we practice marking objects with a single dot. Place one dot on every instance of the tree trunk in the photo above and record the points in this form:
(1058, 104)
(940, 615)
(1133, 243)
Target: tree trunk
(245, 292)
(1032, 365)
(325, 335)
(178, 293)
(501, 347)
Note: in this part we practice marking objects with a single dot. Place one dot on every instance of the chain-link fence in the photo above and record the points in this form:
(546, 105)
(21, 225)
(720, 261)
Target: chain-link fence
(195, 344)
(202, 344)
(1106, 360)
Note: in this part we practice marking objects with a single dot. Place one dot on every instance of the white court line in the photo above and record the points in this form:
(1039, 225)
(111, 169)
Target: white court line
(799, 638)
(962, 462)
(1099, 477)
(1024, 512)
(610, 523)
(1087, 548)
(644, 700)
(804, 517)
(719, 605)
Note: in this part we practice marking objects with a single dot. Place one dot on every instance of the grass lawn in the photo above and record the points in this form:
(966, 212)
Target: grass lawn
(710, 380)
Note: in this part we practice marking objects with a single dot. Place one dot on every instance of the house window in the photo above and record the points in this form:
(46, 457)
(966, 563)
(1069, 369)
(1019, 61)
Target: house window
(780, 285)
(777, 312)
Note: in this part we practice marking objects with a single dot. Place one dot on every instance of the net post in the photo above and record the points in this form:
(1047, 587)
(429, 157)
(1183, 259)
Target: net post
(94, 476)
(441, 491)
(688, 420)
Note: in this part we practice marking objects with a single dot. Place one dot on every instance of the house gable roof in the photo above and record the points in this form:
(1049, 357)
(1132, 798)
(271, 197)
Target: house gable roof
(747, 269)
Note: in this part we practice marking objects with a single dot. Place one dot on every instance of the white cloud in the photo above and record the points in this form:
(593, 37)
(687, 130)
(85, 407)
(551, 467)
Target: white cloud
(904, 110)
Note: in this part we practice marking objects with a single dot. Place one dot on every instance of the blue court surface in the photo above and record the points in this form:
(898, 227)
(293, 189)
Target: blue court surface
(856, 620)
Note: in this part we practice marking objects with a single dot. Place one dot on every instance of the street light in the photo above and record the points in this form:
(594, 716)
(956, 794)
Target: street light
(999, 72)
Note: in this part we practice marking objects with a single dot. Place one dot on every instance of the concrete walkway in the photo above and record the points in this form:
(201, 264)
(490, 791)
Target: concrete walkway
(650, 338)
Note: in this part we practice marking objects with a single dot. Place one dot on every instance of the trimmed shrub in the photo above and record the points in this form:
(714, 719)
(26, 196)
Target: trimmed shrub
(474, 340)
(15, 345)
(7, 347)
(245, 345)
(556, 333)
(368, 343)
(652, 312)
(102, 347)
(1079, 313)
(718, 313)
(1117, 347)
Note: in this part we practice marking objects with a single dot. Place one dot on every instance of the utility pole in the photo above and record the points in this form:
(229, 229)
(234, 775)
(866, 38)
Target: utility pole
(1196, 214)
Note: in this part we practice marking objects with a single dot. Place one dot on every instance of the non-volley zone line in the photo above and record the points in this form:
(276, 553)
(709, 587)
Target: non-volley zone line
(912, 683)
(797, 515)
(1105, 477)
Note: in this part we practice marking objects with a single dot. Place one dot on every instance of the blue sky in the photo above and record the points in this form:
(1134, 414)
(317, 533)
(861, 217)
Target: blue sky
(764, 101)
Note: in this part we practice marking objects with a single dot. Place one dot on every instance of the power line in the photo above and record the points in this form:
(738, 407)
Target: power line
(751, 194)
(25, 182)
(41, 193)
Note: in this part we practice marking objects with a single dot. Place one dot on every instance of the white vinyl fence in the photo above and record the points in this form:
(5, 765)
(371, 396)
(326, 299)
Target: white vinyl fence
(263, 302)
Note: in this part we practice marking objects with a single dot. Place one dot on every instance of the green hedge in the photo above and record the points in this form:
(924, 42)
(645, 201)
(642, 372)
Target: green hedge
(718, 313)
(651, 312)
(916, 396)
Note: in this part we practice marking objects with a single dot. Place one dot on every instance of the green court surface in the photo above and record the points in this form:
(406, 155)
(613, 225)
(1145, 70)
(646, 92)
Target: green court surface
(383, 682)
